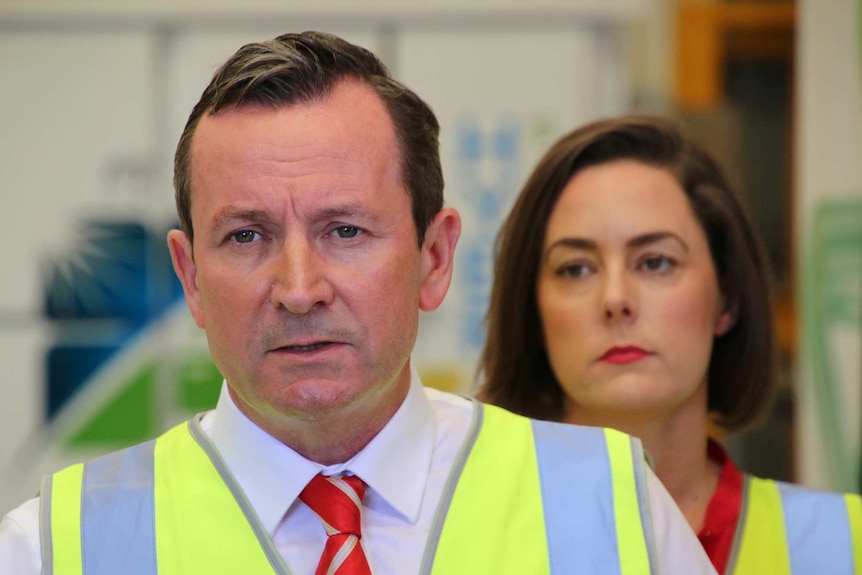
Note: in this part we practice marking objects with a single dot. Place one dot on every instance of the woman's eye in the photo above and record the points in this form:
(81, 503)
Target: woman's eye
(573, 270)
(346, 232)
(244, 236)
(658, 263)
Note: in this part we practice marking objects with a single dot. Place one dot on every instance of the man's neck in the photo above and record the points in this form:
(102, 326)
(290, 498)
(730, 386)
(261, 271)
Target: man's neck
(334, 437)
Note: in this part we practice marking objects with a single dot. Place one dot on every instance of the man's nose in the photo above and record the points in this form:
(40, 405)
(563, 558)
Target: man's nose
(299, 278)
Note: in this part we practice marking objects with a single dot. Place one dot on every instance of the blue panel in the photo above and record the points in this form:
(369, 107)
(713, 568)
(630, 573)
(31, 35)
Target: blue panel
(576, 489)
(818, 533)
(118, 513)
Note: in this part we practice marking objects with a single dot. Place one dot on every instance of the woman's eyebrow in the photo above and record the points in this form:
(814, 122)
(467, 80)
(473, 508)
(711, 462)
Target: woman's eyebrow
(578, 243)
(654, 237)
(573, 242)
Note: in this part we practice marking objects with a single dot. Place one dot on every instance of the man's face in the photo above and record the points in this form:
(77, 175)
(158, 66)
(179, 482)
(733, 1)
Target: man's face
(305, 272)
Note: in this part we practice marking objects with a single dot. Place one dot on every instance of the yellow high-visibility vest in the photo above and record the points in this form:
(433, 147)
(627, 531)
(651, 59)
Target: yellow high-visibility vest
(524, 497)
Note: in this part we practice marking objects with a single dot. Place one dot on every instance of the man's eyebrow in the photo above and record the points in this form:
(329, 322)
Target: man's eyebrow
(230, 215)
(348, 209)
(341, 210)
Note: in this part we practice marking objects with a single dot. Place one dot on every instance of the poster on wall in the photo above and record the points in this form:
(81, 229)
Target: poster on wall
(833, 338)
(829, 217)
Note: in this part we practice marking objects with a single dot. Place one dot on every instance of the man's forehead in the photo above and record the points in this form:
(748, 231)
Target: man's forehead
(352, 122)
(302, 146)
(350, 105)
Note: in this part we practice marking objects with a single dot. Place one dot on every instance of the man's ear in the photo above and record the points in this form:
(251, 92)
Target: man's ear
(184, 266)
(727, 319)
(438, 252)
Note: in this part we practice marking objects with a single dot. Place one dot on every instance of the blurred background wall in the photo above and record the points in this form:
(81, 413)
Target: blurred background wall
(96, 346)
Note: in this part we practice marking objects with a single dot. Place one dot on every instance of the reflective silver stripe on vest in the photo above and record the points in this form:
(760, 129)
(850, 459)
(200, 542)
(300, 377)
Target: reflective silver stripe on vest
(46, 536)
(570, 496)
(118, 513)
(639, 461)
(448, 493)
(818, 531)
(263, 538)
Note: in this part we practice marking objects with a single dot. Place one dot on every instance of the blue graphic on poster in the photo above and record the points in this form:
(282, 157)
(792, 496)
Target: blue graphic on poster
(488, 168)
(106, 297)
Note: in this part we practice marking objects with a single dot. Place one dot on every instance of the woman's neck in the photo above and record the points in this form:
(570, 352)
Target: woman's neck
(681, 462)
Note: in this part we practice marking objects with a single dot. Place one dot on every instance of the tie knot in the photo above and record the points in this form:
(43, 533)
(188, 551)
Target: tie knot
(337, 501)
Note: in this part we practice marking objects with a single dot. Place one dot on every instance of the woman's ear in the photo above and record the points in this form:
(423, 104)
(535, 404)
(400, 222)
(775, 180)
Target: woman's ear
(727, 319)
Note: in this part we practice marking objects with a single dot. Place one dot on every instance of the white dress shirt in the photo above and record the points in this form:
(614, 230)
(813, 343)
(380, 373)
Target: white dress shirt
(405, 467)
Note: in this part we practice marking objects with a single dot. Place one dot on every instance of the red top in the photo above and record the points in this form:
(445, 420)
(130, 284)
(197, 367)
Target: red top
(722, 513)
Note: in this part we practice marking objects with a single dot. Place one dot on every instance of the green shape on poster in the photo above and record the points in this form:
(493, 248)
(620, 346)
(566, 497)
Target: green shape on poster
(199, 383)
(833, 296)
(127, 419)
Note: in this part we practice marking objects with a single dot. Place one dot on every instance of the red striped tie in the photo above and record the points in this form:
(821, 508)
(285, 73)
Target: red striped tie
(337, 501)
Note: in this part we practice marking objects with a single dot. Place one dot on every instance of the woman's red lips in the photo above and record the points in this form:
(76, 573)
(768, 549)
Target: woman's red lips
(624, 354)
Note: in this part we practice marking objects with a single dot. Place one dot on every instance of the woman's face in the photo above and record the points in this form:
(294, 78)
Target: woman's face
(628, 295)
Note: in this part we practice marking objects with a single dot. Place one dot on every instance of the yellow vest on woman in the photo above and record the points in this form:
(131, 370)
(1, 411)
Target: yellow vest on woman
(785, 529)
(524, 497)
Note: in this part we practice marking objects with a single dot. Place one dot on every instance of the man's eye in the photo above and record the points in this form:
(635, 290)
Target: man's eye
(346, 232)
(244, 236)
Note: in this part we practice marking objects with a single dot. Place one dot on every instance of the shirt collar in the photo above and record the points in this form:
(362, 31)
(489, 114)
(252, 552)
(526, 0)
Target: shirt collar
(394, 464)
